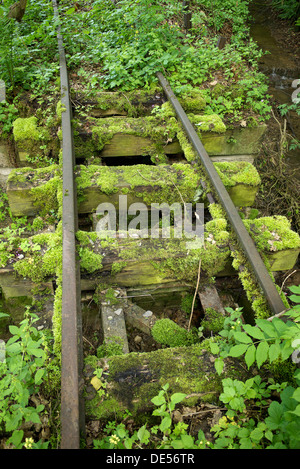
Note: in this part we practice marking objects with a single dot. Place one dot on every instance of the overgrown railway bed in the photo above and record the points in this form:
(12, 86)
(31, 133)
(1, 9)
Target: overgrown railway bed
(141, 148)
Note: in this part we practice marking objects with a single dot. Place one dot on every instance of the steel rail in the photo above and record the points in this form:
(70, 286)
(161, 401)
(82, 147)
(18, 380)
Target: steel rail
(265, 281)
(72, 424)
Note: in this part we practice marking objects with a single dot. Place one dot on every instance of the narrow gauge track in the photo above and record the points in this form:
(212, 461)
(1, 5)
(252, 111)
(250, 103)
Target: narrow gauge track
(72, 411)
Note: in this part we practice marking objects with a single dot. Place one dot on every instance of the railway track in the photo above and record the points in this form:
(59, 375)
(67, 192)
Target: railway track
(72, 403)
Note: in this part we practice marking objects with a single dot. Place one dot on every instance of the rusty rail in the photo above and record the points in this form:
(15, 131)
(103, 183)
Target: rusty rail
(261, 273)
(72, 415)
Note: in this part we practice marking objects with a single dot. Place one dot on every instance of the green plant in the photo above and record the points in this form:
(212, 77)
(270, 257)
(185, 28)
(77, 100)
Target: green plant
(278, 422)
(8, 113)
(163, 436)
(111, 347)
(22, 374)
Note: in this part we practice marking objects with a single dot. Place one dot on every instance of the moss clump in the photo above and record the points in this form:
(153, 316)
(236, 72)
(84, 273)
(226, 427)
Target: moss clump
(89, 260)
(110, 348)
(272, 233)
(42, 259)
(212, 322)
(237, 172)
(194, 101)
(208, 123)
(216, 210)
(167, 332)
(26, 129)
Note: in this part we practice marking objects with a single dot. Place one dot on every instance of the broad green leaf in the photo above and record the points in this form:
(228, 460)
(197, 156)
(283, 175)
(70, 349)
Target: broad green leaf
(245, 443)
(177, 444)
(296, 395)
(14, 330)
(262, 353)
(254, 331)
(238, 350)
(38, 376)
(256, 434)
(16, 438)
(188, 441)
(267, 327)
(275, 411)
(250, 355)
(295, 289)
(177, 397)
(219, 365)
(274, 352)
(296, 411)
(158, 400)
(214, 348)
(165, 423)
(295, 298)
(70, 11)
(242, 337)
(3, 315)
(143, 434)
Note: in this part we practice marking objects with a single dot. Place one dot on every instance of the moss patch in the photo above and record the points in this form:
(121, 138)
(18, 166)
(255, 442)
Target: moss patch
(273, 233)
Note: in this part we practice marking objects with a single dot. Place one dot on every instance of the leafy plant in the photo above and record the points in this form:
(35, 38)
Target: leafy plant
(163, 436)
(22, 374)
(265, 343)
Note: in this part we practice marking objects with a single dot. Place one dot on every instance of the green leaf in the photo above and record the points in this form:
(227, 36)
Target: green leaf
(70, 11)
(219, 365)
(177, 444)
(38, 376)
(16, 438)
(143, 434)
(242, 337)
(14, 330)
(275, 411)
(188, 441)
(256, 434)
(238, 350)
(295, 298)
(296, 395)
(177, 397)
(158, 400)
(245, 443)
(274, 352)
(254, 331)
(214, 348)
(250, 355)
(165, 423)
(3, 315)
(262, 353)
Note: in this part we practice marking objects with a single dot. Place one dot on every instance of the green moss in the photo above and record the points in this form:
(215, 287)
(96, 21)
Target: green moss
(273, 233)
(167, 332)
(43, 259)
(111, 347)
(237, 172)
(155, 128)
(89, 260)
(168, 183)
(56, 320)
(216, 210)
(117, 267)
(194, 101)
(207, 123)
(134, 379)
(25, 129)
(213, 322)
